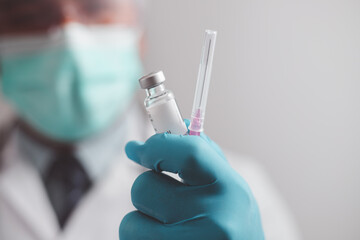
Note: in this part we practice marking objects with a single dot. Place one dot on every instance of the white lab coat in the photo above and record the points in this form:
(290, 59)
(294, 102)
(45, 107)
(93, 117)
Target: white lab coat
(26, 213)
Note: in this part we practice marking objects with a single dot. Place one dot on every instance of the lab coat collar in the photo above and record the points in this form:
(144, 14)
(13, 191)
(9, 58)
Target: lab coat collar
(23, 193)
(95, 154)
(98, 153)
(21, 189)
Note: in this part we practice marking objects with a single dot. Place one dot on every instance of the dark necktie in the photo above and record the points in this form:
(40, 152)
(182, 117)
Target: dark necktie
(66, 183)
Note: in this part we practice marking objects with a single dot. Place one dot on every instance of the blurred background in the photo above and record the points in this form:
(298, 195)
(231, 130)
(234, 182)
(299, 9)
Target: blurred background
(285, 91)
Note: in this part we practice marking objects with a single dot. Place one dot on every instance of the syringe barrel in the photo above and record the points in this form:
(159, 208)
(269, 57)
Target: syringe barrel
(204, 75)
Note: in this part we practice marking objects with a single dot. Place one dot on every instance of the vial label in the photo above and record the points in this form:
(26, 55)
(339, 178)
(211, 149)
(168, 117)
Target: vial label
(166, 118)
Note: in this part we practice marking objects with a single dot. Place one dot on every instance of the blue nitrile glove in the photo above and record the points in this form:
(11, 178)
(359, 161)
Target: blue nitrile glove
(212, 202)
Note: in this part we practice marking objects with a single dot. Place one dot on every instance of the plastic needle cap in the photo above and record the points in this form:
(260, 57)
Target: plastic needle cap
(203, 83)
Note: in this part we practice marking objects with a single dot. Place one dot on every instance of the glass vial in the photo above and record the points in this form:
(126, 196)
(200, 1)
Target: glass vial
(161, 106)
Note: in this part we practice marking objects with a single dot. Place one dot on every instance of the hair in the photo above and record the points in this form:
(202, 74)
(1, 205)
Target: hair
(23, 16)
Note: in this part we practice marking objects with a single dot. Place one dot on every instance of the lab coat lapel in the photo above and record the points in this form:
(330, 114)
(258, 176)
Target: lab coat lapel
(100, 212)
(24, 196)
(26, 213)
(102, 209)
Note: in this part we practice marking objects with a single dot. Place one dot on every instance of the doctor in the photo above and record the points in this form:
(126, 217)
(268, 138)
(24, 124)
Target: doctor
(70, 70)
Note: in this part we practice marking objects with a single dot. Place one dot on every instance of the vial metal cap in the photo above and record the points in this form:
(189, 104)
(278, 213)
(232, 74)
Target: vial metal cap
(152, 80)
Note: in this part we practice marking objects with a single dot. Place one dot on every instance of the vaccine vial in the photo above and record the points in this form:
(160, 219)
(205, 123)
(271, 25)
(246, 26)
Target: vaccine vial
(161, 106)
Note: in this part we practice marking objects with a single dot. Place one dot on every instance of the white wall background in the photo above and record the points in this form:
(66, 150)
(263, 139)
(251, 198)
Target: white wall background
(285, 89)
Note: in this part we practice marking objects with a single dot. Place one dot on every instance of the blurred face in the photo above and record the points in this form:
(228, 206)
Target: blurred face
(18, 17)
(69, 68)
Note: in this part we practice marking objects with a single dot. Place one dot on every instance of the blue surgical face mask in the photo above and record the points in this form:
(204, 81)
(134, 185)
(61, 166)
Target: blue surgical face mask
(73, 82)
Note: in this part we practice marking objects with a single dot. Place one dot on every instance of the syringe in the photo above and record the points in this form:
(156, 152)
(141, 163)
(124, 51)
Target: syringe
(203, 83)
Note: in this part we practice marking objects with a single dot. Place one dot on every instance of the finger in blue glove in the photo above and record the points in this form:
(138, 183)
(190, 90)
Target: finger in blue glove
(212, 202)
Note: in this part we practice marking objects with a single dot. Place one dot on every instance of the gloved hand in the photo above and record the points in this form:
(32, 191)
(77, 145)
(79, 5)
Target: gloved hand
(211, 202)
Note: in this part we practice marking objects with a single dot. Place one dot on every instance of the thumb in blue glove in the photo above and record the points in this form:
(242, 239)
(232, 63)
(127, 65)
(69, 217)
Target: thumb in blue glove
(212, 202)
